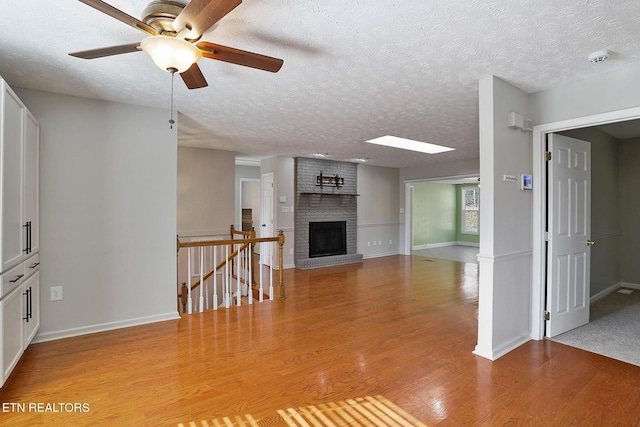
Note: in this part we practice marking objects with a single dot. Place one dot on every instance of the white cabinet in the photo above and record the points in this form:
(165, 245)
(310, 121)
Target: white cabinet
(19, 229)
(11, 149)
(31, 301)
(30, 174)
(12, 330)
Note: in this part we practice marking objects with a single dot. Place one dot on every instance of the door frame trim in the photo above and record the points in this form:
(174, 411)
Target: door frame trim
(538, 280)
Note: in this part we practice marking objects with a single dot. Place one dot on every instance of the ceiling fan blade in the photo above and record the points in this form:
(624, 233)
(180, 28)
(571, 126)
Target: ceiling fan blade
(120, 16)
(240, 57)
(193, 78)
(200, 15)
(107, 51)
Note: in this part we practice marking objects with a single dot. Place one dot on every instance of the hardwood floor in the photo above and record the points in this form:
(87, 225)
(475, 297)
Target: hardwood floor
(401, 327)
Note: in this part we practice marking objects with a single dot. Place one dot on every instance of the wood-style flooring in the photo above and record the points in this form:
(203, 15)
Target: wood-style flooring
(400, 327)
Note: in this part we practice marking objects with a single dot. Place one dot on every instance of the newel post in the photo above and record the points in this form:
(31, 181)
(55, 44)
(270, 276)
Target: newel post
(280, 247)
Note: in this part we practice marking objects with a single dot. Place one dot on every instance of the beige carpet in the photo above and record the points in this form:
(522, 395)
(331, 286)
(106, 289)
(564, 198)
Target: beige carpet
(613, 329)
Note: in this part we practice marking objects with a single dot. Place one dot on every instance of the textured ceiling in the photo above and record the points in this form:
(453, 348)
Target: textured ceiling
(353, 69)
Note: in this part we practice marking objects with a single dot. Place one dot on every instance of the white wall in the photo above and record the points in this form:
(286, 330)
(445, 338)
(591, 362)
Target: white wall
(505, 221)
(611, 91)
(108, 214)
(206, 191)
(378, 212)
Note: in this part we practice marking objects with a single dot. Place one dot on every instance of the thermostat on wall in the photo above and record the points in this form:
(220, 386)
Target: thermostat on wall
(526, 182)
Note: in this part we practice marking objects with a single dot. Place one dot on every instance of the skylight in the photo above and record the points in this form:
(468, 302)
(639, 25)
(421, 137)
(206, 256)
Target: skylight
(409, 144)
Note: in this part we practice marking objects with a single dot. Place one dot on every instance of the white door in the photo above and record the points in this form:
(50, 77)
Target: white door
(569, 228)
(266, 229)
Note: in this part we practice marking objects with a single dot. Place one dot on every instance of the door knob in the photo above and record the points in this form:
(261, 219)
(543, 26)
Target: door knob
(590, 243)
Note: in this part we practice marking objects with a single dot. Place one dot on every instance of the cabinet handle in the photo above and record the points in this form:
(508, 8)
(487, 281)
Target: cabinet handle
(27, 226)
(16, 279)
(28, 315)
(29, 238)
(26, 229)
(34, 265)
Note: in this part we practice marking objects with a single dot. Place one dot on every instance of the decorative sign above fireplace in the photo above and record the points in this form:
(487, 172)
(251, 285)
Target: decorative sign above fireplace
(333, 181)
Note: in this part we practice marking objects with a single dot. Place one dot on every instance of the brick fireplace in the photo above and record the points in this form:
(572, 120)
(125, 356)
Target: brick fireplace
(324, 204)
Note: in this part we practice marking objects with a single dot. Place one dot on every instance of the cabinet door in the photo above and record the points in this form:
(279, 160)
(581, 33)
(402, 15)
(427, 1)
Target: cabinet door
(12, 330)
(31, 168)
(11, 132)
(31, 307)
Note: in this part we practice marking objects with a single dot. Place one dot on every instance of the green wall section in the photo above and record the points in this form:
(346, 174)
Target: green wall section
(436, 214)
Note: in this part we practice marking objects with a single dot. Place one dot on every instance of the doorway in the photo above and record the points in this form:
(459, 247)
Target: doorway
(249, 211)
(437, 225)
(540, 134)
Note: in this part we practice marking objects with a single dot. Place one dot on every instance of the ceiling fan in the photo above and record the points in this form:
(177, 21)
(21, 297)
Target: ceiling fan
(174, 31)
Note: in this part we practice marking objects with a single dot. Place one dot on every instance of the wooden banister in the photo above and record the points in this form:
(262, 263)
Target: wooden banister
(248, 238)
(220, 265)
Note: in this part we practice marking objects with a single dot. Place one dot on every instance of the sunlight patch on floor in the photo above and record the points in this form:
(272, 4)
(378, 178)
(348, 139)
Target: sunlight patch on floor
(361, 411)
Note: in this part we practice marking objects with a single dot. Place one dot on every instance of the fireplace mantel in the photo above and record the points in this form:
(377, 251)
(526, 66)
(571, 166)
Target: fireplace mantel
(329, 194)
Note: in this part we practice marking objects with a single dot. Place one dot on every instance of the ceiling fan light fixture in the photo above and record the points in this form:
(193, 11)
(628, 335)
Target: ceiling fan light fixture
(170, 53)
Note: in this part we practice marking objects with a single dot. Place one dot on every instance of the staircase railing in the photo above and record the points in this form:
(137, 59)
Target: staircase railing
(233, 260)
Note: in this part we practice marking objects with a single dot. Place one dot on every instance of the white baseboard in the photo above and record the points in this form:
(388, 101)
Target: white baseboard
(84, 330)
(612, 288)
(379, 255)
(504, 348)
(628, 285)
(472, 244)
(604, 293)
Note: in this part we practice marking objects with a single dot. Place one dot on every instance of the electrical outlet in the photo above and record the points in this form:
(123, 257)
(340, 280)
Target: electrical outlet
(56, 293)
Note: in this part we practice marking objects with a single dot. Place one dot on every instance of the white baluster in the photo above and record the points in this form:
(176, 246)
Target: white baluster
(215, 281)
(261, 279)
(207, 264)
(227, 296)
(189, 307)
(201, 278)
(239, 273)
(249, 278)
(271, 272)
(240, 270)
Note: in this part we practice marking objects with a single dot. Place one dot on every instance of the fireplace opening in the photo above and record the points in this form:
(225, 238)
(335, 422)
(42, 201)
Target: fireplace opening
(327, 238)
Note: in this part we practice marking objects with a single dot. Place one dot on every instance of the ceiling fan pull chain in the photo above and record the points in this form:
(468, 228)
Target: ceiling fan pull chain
(171, 121)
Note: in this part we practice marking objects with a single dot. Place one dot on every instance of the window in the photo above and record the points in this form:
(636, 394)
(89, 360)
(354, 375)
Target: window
(470, 210)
